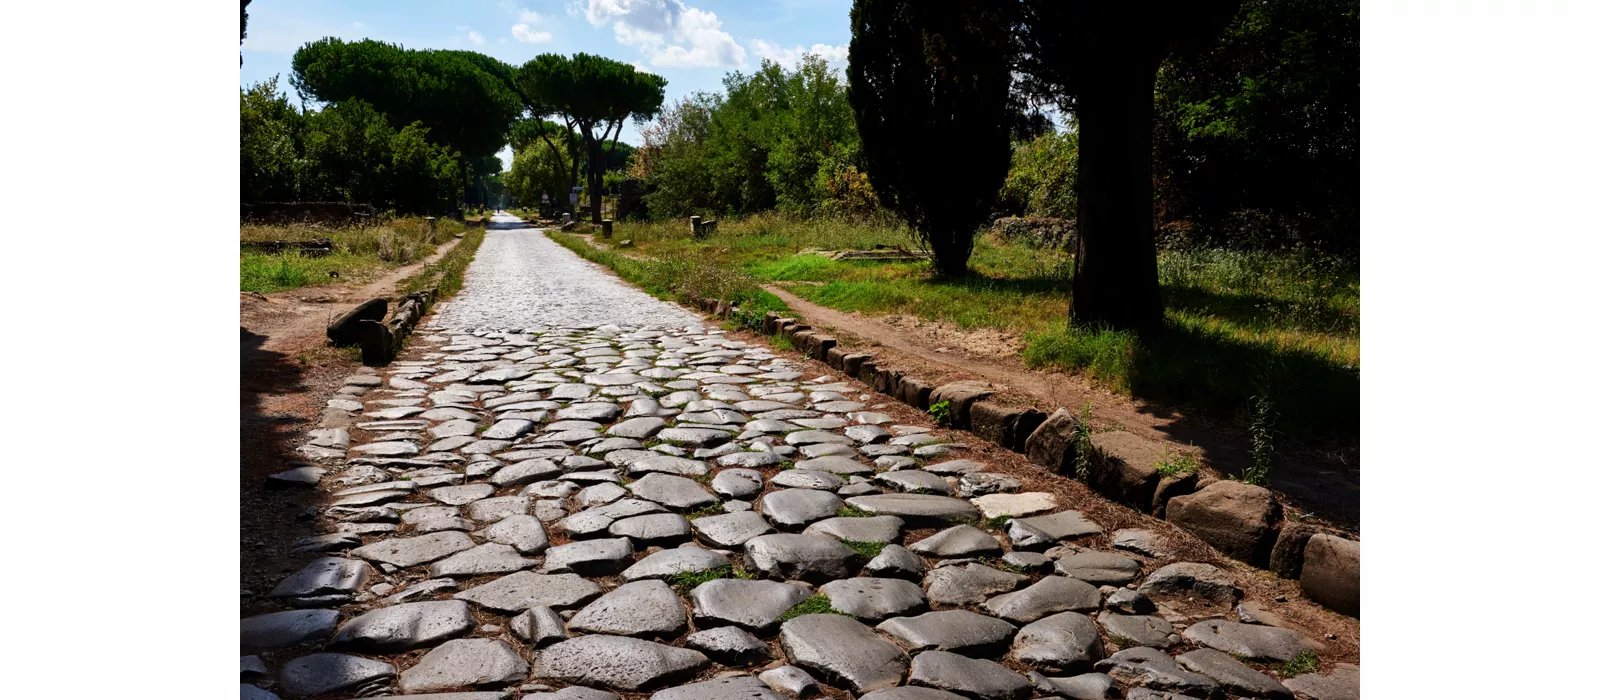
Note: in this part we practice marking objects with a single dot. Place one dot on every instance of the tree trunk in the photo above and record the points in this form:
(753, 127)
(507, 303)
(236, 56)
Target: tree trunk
(951, 249)
(596, 168)
(1114, 279)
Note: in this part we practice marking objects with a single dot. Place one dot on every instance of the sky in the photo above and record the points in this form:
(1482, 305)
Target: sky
(691, 43)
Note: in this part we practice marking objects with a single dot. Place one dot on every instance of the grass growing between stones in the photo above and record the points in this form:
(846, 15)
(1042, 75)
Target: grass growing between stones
(359, 252)
(867, 550)
(1233, 319)
(1304, 662)
(852, 512)
(816, 604)
(688, 580)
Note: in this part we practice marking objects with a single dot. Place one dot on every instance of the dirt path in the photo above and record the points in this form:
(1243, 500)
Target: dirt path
(1316, 483)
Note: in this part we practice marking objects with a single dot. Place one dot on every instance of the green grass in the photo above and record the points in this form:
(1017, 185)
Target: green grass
(852, 512)
(449, 273)
(714, 509)
(359, 253)
(688, 580)
(1169, 463)
(867, 550)
(816, 604)
(1236, 323)
(1304, 662)
(997, 522)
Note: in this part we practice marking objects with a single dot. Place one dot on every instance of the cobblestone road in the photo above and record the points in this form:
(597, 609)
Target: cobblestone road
(568, 490)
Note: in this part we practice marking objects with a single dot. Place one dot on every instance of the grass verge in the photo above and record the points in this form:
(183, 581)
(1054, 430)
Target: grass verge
(449, 273)
(359, 252)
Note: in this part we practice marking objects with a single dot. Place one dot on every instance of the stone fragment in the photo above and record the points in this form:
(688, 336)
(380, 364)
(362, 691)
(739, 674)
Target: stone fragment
(975, 678)
(323, 674)
(843, 651)
(1192, 579)
(1099, 568)
(1256, 642)
(1238, 519)
(969, 584)
(517, 592)
(404, 626)
(983, 483)
(599, 557)
(1331, 574)
(1155, 670)
(896, 561)
(620, 663)
(465, 663)
(753, 605)
(1052, 594)
(539, 626)
(646, 608)
(792, 681)
(729, 646)
(731, 530)
(958, 541)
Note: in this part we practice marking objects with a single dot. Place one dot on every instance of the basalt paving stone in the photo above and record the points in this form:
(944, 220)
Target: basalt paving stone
(525, 472)
(1139, 630)
(637, 428)
(523, 532)
(411, 551)
(465, 663)
(280, 630)
(749, 459)
(461, 495)
(1255, 642)
(807, 479)
(730, 646)
(981, 679)
(645, 608)
(731, 530)
(958, 541)
(598, 519)
(752, 604)
(739, 483)
(598, 557)
(918, 510)
(843, 466)
(962, 631)
(404, 626)
(514, 593)
(494, 509)
(488, 558)
(599, 494)
(1051, 594)
(1154, 669)
(671, 491)
(896, 561)
(655, 529)
(1099, 568)
(671, 562)
(620, 663)
(1066, 642)
(969, 584)
(793, 508)
(1234, 677)
(654, 462)
(324, 674)
(843, 652)
(873, 599)
(813, 558)
(879, 528)
(815, 450)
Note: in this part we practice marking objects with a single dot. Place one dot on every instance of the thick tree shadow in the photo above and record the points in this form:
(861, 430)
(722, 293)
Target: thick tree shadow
(1259, 311)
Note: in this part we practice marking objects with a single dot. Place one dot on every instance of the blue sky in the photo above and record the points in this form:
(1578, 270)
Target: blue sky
(692, 43)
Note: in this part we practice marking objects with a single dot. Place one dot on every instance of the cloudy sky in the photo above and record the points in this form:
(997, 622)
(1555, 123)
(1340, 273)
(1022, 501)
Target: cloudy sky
(692, 43)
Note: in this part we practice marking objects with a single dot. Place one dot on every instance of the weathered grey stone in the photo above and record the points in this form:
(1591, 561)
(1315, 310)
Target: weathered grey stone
(969, 584)
(1140, 541)
(405, 626)
(1339, 684)
(465, 663)
(573, 692)
(298, 476)
(792, 508)
(525, 472)
(739, 483)
(1129, 602)
(1124, 468)
(1084, 686)
(917, 510)
(514, 593)
(1235, 677)
(599, 495)
(523, 532)
(843, 651)
(421, 589)
(325, 576)
(498, 508)
(1192, 579)
(1027, 561)
(488, 558)
(621, 663)
(399, 448)
(1099, 568)
(958, 541)
(646, 608)
(1052, 594)
(599, 557)
(281, 630)
(657, 528)
(981, 483)
(1238, 519)
(598, 519)
(1154, 669)
(1017, 505)
(1067, 642)
(1137, 630)
(874, 599)
(1258, 642)
(695, 437)
(896, 561)
(1042, 532)
(878, 528)
(598, 411)
(807, 479)
(323, 674)
(410, 551)
(843, 466)
(749, 459)
(793, 682)
(671, 491)
(810, 437)
(813, 558)
(637, 428)
(975, 678)
(1331, 574)
(866, 434)
(961, 631)
(915, 481)
(539, 626)
(731, 530)
(508, 429)
(729, 646)
(753, 605)
(250, 692)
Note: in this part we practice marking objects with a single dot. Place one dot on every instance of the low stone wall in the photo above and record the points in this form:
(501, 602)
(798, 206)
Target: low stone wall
(1039, 232)
(1241, 521)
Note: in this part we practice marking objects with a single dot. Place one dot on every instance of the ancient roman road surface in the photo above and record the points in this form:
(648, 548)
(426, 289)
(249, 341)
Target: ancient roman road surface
(568, 490)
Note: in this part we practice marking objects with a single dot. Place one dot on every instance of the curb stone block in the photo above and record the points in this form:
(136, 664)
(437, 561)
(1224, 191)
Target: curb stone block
(868, 371)
(820, 345)
(1239, 519)
(1332, 573)
(802, 341)
(779, 323)
(1029, 421)
(342, 330)
(1050, 445)
(854, 362)
(961, 396)
(767, 320)
(1289, 553)
(914, 393)
(836, 358)
(994, 422)
(880, 381)
(1170, 487)
(1124, 468)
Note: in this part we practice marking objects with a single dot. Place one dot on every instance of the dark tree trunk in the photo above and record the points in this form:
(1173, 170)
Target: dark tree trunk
(595, 172)
(951, 249)
(1114, 280)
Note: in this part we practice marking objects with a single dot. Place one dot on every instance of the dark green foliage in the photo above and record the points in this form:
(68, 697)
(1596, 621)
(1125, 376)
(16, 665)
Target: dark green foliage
(867, 550)
(687, 580)
(1303, 662)
(465, 99)
(852, 512)
(1043, 179)
(269, 144)
(816, 604)
(930, 84)
(1257, 138)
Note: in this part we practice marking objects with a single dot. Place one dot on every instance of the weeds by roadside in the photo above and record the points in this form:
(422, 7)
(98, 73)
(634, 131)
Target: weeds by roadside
(359, 252)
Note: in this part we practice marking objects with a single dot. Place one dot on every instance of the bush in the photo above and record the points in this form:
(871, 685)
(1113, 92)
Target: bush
(1043, 178)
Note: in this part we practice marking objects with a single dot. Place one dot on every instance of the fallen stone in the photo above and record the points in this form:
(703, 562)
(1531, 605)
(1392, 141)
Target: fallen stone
(1042, 532)
(1140, 541)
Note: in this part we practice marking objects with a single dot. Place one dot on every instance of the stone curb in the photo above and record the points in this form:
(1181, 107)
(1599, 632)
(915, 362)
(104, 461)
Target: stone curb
(381, 341)
(1241, 521)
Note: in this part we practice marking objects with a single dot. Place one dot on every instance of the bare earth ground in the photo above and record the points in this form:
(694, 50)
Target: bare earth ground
(1325, 485)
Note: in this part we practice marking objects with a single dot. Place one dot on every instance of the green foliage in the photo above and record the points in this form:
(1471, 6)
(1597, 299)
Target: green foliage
(1257, 138)
(1169, 463)
(1043, 179)
(269, 138)
(686, 581)
(778, 139)
(358, 252)
(867, 550)
(816, 604)
(1302, 663)
(465, 99)
(449, 274)
(852, 512)
(997, 522)
(1083, 449)
(940, 412)
(930, 87)
(1102, 354)
(714, 509)
(1263, 431)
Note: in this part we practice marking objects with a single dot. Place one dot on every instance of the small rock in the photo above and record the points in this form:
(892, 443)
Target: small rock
(729, 646)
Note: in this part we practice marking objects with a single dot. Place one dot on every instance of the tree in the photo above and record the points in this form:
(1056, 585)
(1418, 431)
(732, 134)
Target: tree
(244, 21)
(536, 170)
(1099, 59)
(930, 84)
(565, 147)
(591, 92)
(465, 99)
(269, 144)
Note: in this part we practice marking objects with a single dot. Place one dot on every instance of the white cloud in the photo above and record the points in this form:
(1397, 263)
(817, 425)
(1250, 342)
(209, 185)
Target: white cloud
(836, 56)
(477, 39)
(668, 32)
(530, 17)
(527, 35)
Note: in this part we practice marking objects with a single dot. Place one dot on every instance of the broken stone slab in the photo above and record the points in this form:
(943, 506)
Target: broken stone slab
(1016, 505)
(598, 557)
(619, 663)
(729, 646)
(960, 631)
(1044, 531)
(522, 532)
(843, 651)
(539, 626)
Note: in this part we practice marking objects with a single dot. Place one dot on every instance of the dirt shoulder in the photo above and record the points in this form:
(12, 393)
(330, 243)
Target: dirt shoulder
(1320, 484)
